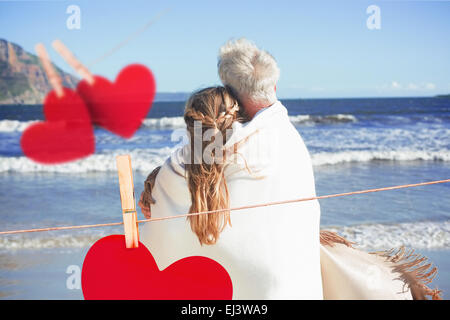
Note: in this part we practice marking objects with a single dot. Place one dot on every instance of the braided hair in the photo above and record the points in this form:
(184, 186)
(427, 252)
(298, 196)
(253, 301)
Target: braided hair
(214, 108)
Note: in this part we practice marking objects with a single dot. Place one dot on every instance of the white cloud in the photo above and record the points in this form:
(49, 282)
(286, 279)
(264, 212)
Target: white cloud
(430, 86)
(395, 85)
(424, 86)
(412, 86)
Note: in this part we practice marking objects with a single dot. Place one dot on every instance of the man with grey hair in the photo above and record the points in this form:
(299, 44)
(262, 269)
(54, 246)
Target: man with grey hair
(251, 73)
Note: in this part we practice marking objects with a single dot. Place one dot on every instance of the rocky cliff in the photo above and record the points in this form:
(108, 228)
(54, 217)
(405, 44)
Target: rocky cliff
(22, 78)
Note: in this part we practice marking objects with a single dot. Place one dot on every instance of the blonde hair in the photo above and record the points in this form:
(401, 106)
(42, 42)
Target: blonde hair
(216, 109)
(252, 73)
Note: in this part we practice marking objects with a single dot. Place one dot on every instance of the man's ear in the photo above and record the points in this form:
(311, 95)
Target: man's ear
(275, 88)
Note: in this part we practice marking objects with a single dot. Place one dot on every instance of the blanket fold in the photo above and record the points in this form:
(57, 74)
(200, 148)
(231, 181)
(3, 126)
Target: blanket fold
(349, 273)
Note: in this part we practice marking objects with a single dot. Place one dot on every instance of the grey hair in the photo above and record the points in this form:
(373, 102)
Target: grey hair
(250, 72)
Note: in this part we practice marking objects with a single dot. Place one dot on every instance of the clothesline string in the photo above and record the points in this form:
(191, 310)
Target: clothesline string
(274, 203)
(130, 37)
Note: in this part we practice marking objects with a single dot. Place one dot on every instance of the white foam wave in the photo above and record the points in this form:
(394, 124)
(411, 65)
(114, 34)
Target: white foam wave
(143, 160)
(164, 123)
(178, 122)
(154, 123)
(417, 235)
(326, 119)
(45, 242)
(14, 125)
(147, 159)
(330, 158)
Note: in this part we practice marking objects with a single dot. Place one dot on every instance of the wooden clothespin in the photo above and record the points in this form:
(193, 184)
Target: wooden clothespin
(70, 58)
(52, 75)
(128, 201)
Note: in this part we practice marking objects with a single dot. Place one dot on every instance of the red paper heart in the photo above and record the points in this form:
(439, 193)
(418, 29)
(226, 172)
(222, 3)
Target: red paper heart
(66, 135)
(111, 271)
(121, 106)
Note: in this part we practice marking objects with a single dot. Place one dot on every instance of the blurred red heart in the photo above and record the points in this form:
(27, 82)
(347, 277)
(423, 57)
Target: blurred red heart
(112, 272)
(66, 135)
(121, 106)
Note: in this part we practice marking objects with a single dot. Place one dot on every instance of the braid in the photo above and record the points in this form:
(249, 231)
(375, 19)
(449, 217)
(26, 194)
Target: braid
(192, 115)
(223, 120)
(226, 118)
(215, 108)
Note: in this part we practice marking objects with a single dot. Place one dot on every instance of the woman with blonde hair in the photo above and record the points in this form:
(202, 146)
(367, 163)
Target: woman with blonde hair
(270, 253)
(228, 162)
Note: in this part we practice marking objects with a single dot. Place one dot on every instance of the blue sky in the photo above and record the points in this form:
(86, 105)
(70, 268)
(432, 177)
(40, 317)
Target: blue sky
(324, 48)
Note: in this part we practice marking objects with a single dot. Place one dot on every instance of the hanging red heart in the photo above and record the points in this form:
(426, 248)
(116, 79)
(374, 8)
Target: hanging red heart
(121, 106)
(111, 271)
(66, 135)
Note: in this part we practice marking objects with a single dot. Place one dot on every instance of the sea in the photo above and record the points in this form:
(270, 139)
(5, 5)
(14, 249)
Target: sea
(355, 144)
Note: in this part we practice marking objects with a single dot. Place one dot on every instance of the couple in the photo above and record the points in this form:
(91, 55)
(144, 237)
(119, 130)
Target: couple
(243, 150)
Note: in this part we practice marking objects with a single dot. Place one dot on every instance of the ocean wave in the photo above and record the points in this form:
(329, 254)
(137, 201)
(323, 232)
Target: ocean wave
(330, 158)
(147, 159)
(56, 239)
(178, 122)
(164, 123)
(15, 125)
(153, 123)
(325, 119)
(61, 241)
(417, 235)
(143, 160)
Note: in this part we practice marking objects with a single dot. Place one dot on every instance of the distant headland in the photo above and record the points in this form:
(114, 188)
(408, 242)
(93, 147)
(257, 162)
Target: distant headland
(24, 82)
(22, 78)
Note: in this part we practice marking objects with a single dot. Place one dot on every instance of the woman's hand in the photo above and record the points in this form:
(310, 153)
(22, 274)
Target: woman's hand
(146, 197)
(145, 210)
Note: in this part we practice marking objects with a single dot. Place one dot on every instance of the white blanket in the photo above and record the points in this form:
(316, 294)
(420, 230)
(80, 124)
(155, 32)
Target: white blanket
(271, 252)
(351, 274)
